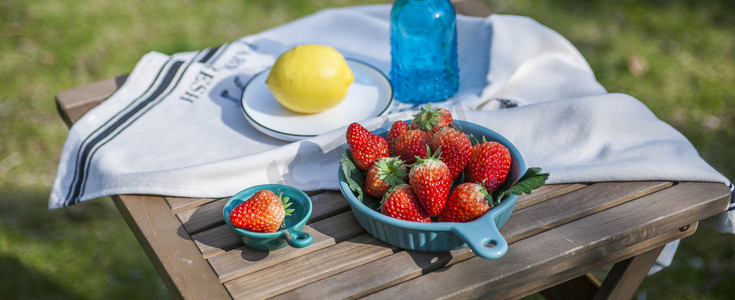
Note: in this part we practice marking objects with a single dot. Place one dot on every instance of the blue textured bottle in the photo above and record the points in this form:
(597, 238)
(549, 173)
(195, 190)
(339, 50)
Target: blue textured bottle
(423, 35)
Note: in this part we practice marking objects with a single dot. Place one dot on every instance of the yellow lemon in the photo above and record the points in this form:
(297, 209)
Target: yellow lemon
(310, 78)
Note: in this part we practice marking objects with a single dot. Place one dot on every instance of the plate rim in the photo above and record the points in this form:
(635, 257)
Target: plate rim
(290, 136)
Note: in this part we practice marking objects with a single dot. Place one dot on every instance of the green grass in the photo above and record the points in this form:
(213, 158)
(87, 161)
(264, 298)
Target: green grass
(88, 252)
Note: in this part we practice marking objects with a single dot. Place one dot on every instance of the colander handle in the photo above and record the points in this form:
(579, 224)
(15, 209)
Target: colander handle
(483, 237)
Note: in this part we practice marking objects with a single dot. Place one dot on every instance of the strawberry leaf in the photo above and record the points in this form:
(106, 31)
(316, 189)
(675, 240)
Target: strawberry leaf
(531, 180)
(355, 179)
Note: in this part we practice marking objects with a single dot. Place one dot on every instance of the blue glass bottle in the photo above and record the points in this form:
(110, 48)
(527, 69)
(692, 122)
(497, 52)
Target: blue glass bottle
(423, 35)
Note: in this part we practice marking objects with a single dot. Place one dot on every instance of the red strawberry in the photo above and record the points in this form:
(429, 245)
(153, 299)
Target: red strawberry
(398, 128)
(468, 201)
(365, 146)
(410, 144)
(489, 164)
(455, 148)
(400, 202)
(263, 212)
(430, 180)
(384, 174)
(432, 119)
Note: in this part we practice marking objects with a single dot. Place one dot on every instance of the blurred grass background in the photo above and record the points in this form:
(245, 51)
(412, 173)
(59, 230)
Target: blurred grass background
(675, 56)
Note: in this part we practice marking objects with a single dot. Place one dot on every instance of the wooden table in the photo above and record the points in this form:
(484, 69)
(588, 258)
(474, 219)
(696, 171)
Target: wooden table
(556, 237)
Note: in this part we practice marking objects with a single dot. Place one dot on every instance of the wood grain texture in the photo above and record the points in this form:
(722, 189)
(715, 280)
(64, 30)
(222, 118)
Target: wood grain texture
(546, 192)
(403, 266)
(577, 204)
(203, 217)
(180, 204)
(561, 248)
(372, 277)
(308, 268)
(176, 258)
(514, 290)
(243, 260)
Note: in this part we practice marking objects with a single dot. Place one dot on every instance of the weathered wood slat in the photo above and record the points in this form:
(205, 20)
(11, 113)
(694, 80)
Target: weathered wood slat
(575, 205)
(327, 204)
(244, 260)
(561, 248)
(546, 192)
(356, 282)
(203, 217)
(372, 277)
(516, 290)
(176, 258)
(394, 269)
(309, 268)
(180, 204)
(216, 240)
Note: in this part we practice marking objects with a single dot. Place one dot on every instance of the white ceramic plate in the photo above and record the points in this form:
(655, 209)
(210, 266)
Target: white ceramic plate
(369, 95)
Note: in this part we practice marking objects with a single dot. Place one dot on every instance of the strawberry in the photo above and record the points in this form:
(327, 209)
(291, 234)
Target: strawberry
(430, 180)
(411, 144)
(398, 128)
(365, 146)
(383, 174)
(432, 119)
(262, 212)
(455, 148)
(489, 165)
(468, 201)
(400, 202)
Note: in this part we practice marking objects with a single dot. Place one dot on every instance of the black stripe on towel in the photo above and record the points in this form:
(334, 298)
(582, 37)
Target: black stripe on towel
(104, 125)
(86, 151)
(210, 53)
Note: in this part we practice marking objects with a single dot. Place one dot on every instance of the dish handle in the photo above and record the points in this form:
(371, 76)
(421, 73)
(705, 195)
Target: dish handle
(483, 237)
(298, 239)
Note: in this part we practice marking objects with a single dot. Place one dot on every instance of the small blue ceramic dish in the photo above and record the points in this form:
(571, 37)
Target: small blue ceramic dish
(290, 235)
(481, 235)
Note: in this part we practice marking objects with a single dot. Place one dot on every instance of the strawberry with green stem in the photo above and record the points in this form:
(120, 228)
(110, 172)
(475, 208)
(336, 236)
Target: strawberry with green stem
(432, 119)
(455, 148)
(430, 179)
(384, 174)
(263, 212)
(468, 201)
(489, 164)
(365, 147)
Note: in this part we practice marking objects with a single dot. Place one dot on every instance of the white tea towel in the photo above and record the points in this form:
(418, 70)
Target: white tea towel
(176, 127)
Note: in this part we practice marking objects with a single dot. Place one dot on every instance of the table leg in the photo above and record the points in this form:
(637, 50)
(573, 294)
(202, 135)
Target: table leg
(626, 276)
